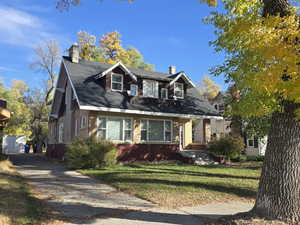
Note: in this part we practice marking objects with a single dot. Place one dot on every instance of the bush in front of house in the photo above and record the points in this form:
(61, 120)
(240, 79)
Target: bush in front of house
(86, 153)
(228, 146)
(257, 158)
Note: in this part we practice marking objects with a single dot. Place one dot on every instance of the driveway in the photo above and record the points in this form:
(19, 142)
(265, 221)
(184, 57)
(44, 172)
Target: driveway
(83, 200)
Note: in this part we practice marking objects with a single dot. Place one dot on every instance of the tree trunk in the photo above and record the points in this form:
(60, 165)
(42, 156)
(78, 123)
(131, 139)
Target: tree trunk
(279, 189)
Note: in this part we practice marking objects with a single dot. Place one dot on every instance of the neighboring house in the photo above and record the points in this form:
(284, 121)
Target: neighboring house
(253, 145)
(256, 146)
(4, 113)
(135, 109)
(208, 129)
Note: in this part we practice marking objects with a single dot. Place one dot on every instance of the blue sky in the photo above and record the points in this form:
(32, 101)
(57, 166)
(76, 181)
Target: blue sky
(167, 32)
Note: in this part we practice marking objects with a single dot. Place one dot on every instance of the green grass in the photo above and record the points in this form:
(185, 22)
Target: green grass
(18, 206)
(183, 185)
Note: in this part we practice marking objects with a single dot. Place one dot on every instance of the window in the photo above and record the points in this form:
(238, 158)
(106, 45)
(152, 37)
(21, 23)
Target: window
(250, 143)
(61, 133)
(133, 90)
(144, 130)
(164, 93)
(83, 122)
(156, 130)
(150, 88)
(116, 82)
(76, 128)
(178, 90)
(114, 129)
(168, 130)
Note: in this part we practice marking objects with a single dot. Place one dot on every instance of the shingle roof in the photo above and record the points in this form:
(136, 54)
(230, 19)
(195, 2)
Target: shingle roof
(91, 93)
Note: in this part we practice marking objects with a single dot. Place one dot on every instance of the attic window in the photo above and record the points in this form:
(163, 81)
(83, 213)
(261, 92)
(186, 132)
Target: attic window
(150, 88)
(178, 90)
(116, 82)
(164, 93)
(133, 90)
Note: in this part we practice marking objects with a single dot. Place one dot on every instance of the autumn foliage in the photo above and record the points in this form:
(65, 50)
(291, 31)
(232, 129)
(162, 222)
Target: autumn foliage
(110, 50)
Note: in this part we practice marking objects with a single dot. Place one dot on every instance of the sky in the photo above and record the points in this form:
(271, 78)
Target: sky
(166, 32)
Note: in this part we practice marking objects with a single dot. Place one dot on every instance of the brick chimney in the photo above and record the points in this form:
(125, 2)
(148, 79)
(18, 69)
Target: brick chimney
(74, 53)
(172, 69)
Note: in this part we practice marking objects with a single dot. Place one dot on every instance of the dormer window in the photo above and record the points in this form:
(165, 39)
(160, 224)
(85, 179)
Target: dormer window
(116, 82)
(150, 88)
(133, 90)
(164, 93)
(178, 90)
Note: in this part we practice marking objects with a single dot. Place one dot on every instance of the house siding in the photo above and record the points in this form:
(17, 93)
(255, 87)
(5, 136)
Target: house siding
(136, 133)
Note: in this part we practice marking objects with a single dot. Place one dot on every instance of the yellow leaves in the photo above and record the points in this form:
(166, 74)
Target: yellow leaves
(263, 55)
(110, 50)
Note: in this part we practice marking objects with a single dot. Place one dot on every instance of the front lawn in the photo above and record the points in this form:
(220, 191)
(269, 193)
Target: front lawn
(183, 185)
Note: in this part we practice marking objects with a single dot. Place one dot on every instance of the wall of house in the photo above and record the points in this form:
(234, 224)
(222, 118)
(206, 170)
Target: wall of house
(259, 150)
(207, 129)
(137, 126)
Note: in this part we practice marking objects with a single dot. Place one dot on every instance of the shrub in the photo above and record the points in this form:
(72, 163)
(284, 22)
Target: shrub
(85, 153)
(258, 158)
(229, 146)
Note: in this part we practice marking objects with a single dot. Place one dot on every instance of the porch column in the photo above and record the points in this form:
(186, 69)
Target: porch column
(188, 133)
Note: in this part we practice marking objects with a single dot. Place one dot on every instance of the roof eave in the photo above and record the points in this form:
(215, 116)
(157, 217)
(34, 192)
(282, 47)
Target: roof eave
(126, 70)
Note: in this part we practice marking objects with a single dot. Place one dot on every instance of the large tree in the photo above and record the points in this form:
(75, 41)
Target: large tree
(261, 39)
(47, 60)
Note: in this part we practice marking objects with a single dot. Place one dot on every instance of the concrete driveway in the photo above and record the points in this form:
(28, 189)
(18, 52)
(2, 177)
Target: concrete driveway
(83, 200)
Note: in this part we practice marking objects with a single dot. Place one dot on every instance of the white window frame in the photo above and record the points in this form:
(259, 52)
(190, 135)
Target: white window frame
(167, 93)
(83, 122)
(156, 85)
(182, 86)
(137, 89)
(123, 127)
(164, 121)
(121, 82)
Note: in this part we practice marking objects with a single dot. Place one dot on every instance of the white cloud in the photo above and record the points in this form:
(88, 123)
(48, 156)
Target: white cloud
(21, 28)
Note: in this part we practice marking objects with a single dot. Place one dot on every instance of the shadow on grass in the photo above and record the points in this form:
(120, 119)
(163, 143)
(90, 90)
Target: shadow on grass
(238, 191)
(17, 203)
(164, 171)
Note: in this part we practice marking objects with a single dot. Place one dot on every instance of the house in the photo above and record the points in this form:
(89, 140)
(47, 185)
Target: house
(138, 110)
(253, 145)
(4, 113)
(206, 130)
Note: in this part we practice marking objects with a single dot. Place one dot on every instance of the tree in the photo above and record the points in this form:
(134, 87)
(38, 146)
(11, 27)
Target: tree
(39, 99)
(110, 50)
(208, 88)
(20, 119)
(261, 40)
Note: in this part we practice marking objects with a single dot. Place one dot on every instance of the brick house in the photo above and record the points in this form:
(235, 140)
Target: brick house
(140, 111)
